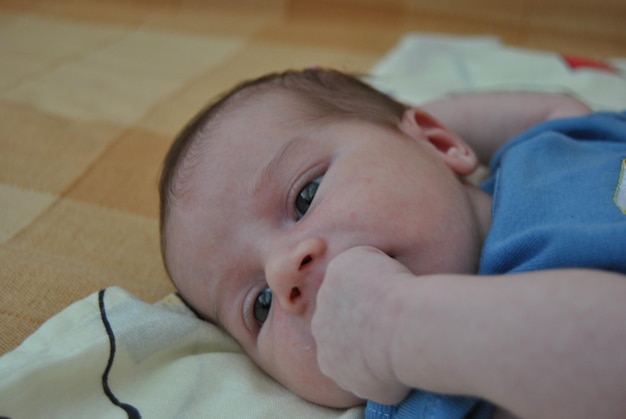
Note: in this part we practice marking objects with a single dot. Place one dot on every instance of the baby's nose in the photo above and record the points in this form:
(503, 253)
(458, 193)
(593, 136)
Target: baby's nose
(294, 274)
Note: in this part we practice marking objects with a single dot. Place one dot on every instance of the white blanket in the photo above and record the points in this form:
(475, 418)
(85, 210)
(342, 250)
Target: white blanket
(114, 356)
(424, 67)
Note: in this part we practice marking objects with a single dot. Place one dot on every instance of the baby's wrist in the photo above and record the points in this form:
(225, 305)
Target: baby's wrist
(394, 310)
(416, 356)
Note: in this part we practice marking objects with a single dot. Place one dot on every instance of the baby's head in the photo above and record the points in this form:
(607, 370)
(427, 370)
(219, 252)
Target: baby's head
(264, 187)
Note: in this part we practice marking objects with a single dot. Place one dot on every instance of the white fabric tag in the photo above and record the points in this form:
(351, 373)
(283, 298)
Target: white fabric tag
(620, 191)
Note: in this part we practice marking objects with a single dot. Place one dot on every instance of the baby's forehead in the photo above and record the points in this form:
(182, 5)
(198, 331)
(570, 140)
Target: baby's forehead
(241, 112)
(227, 147)
(275, 103)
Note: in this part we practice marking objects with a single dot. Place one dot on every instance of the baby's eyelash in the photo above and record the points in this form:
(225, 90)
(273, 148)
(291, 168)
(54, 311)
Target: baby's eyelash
(262, 305)
(310, 175)
(248, 310)
(305, 197)
(250, 305)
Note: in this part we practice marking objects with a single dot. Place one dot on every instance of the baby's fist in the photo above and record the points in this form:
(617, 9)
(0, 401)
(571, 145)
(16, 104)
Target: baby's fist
(354, 323)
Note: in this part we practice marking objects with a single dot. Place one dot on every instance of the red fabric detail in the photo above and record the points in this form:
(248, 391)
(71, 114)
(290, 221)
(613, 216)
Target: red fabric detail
(577, 63)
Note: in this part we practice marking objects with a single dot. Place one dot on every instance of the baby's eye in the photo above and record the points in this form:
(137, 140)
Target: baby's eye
(305, 197)
(262, 305)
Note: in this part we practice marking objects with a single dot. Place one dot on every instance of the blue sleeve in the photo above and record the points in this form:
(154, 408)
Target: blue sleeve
(604, 126)
(607, 126)
(426, 405)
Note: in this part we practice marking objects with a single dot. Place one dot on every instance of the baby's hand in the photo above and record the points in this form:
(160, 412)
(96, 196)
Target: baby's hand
(354, 323)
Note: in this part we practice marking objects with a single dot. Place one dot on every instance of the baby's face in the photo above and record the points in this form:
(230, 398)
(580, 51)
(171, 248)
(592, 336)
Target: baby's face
(273, 198)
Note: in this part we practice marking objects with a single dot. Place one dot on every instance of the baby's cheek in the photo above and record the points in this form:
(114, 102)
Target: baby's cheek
(301, 375)
(286, 352)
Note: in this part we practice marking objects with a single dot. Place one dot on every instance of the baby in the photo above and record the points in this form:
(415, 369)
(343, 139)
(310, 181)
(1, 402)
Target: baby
(331, 231)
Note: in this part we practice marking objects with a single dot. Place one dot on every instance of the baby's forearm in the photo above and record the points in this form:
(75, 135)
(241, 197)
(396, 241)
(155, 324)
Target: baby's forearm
(541, 344)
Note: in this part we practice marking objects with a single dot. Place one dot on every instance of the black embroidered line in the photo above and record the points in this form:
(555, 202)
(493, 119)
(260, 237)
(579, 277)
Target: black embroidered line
(131, 411)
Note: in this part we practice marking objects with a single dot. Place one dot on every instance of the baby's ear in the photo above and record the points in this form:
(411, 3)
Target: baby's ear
(455, 152)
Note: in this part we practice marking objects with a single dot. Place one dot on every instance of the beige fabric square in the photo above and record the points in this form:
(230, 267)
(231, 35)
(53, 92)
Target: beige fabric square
(122, 81)
(122, 244)
(53, 38)
(32, 45)
(223, 23)
(126, 176)
(35, 286)
(45, 152)
(19, 208)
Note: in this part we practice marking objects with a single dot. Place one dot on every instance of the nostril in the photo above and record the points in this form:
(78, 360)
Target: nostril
(306, 260)
(294, 294)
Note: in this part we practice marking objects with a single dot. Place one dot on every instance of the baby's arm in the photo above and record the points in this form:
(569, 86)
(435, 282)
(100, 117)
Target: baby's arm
(541, 344)
(487, 120)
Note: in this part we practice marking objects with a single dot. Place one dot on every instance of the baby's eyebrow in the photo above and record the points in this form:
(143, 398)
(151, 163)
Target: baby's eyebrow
(284, 153)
